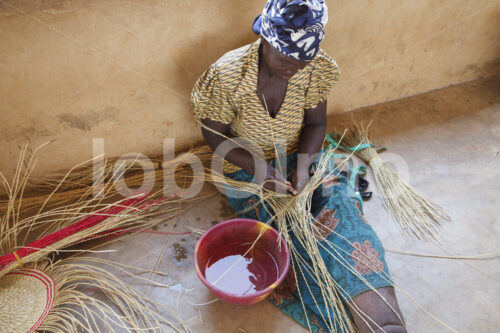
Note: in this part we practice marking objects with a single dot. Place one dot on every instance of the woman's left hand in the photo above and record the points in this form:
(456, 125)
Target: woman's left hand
(300, 179)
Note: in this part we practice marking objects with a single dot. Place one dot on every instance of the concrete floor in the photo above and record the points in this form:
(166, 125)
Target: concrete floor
(446, 140)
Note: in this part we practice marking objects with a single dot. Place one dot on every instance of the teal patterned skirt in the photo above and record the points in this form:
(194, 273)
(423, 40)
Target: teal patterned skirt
(339, 217)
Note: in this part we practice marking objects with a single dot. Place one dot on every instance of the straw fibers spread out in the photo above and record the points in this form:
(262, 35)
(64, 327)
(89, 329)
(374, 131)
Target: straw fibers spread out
(292, 215)
(79, 182)
(68, 199)
(35, 228)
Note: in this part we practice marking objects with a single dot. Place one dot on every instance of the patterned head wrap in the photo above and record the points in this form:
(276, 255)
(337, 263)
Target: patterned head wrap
(293, 27)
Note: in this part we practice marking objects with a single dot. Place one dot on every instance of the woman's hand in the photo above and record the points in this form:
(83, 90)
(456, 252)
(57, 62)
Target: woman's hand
(300, 179)
(311, 140)
(271, 179)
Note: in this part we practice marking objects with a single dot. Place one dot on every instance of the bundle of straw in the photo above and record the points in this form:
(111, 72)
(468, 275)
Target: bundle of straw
(124, 214)
(82, 175)
(65, 225)
(60, 225)
(78, 183)
(414, 213)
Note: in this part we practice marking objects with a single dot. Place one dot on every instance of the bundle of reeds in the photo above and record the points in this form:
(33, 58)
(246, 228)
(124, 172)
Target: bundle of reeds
(81, 181)
(414, 213)
(106, 168)
(56, 226)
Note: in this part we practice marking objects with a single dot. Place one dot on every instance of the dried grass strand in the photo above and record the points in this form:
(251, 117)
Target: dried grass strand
(414, 213)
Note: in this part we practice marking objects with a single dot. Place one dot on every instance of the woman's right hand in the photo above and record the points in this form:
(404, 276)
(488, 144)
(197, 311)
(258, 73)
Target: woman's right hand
(273, 180)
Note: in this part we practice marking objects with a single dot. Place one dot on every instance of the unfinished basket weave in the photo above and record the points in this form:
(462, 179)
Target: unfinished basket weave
(26, 298)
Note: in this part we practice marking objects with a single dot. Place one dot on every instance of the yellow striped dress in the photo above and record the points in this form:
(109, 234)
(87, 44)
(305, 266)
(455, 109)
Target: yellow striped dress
(227, 92)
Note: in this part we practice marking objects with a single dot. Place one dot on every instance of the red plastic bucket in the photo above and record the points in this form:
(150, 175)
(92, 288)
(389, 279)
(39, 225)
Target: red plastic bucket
(232, 269)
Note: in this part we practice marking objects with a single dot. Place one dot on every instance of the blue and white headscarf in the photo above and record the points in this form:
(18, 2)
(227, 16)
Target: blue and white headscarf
(294, 27)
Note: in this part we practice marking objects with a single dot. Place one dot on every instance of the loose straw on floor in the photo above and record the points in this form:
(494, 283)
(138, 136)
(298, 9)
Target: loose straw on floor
(58, 224)
(482, 256)
(414, 213)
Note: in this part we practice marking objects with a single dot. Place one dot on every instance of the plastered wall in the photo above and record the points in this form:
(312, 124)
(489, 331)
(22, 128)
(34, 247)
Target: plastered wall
(123, 70)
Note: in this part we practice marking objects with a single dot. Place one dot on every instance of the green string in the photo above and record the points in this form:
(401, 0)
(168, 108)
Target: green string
(335, 144)
(353, 171)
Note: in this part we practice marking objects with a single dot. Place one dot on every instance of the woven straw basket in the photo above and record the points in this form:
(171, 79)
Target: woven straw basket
(26, 298)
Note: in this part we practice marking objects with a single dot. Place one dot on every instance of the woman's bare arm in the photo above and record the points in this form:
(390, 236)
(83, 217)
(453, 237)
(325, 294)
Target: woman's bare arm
(241, 157)
(311, 140)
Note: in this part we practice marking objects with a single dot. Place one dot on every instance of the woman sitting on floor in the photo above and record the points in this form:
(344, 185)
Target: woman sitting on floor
(275, 90)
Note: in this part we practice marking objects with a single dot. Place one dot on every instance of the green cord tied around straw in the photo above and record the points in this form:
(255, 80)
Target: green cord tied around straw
(333, 143)
(414, 213)
(353, 171)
